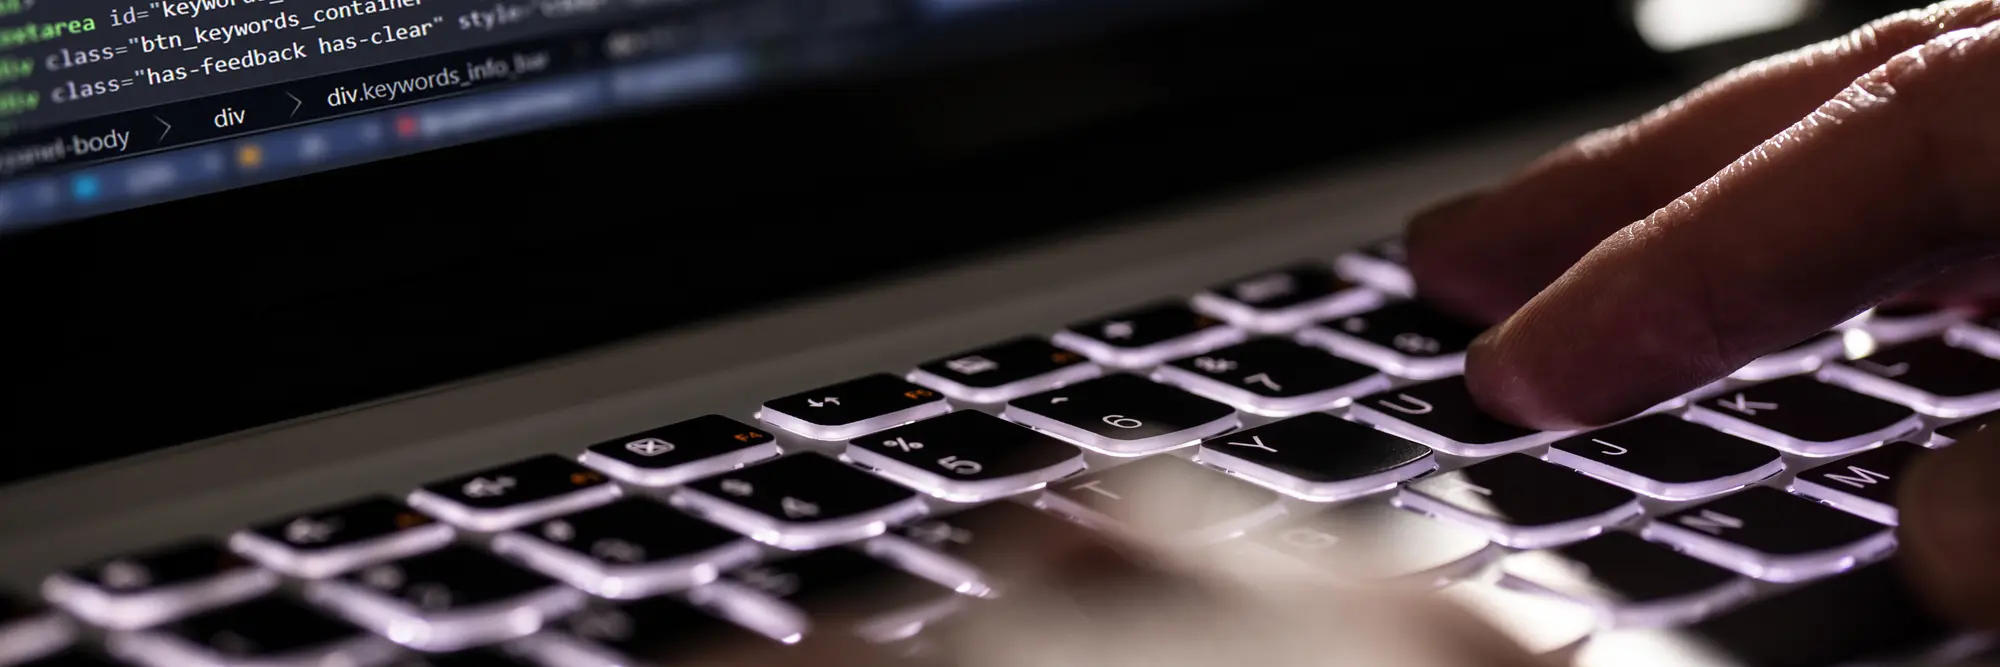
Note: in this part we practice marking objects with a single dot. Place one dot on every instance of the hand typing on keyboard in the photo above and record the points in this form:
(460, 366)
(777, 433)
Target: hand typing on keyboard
(1647, 260)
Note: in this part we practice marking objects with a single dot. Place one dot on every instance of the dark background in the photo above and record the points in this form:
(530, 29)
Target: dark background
(199, 317)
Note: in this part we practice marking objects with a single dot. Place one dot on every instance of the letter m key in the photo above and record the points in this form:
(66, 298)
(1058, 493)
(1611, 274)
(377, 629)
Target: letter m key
(1861, 479)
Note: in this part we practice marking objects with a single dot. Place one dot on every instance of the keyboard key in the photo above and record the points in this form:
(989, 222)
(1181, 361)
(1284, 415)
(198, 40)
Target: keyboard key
(29, 631)
(628, 549)
(967, 456)
(1772, 535)
(1966, 428)
(1147, 335)
(1380, 265)
(803, 501)
(1405, 338)
(330, 540)
(1929, 375)
(1440, 413)
(1804, 416)
(1668, 457)
(1319, 457)
(1523, 502)
(853, 408)
(654, 631)
(158, 585)
(1629, 581)
(478, 657)
(1275, 377)
(1164, 496)
(1004, 371)
(1539, 624)
(1864, 484)
(446, 600)
(1807, 355)
(519, 493)
(71, 658)
(1373, 542)
(830, 589)
(968, 551)
(681, 452)
(1285, 299)
(1864, 614)
(266, 631)
(1897, 324)
(1123, 415)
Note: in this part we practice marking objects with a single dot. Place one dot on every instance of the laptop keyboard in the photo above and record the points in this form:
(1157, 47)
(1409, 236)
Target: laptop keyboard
(1310, 417)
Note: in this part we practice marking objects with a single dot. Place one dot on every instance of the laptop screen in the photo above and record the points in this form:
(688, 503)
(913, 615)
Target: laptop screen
(108, 105)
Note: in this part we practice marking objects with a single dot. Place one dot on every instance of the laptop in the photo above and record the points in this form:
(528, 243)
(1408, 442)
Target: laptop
(567, 332)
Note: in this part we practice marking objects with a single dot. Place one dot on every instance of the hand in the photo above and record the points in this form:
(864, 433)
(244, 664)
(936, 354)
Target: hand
(1770, 205)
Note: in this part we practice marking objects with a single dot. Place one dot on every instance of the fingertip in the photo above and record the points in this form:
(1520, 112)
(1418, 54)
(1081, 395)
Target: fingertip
(1509, 388)
(1950, 531)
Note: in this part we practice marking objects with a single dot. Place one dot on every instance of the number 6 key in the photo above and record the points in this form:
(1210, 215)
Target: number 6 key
(1123, 415)
(966, 456)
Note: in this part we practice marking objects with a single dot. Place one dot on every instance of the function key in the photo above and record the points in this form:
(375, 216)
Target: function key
(331, 540)
(1123, 415)
(1804, 416)
(1523, 502)
(1319, 457)
(802, 501)
(1163, 496)
(653, 631)
(1285, 299)
(521, 492)
(968, 551)
(1963, 429)
(967, 456)
(1772, 535)
(446, 600)
(1668, 457)
(834, 588)
(1631, 582)
(853, 408)
(1807, 355)
(1930, 375)
(1372, 542)
(1405, 338)
(631, 548)
(1382, 265)
(1442, 414)
(1274, 377)
(682, 451)
(29, 631)
(156, 586)
(1864, 484)
(1147, 335)
(265, 631)
(1004, 371)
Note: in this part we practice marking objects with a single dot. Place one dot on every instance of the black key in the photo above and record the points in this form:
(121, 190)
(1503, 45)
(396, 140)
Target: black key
(1668, 457)
(157, 585)
(968, 551)
(1772, 535)
(71, 658)
(1864, 483)
(1276, 377)
(1630, 580)
(263, 631)
(515, 494)
(29, 631)
(478, 657)
(1929, 375)
(1967, 428)
(967, 456)
(1319, 457)
(1406, 338)
(1004, 371)
(1523, 502)
(803, 501)
(1147, 335)
(853, 408)
(446, 600)
(330, 540)
(1204, 504)
(1440, 413)
(628, 549)
(845, 588)
(1379, 265)
(681, 451)
(1368, 542)
(1868, 613)
(1285, 299)
(1123, 414)
(1807, 417)
(655, 631)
